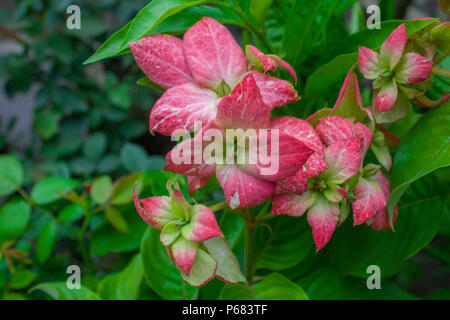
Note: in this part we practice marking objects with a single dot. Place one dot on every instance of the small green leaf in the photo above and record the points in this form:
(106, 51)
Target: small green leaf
(101, 189)
(116, 219)
(50, 189)
(14, 216)
(95, 146)
(46, 241)
(71, 213)
(236, 292)
(60, 291)
(122, 192)
(22, 279)
(11, 174)
(145, 82)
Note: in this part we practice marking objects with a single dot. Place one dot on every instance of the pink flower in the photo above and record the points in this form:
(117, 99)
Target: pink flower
(380, 220)
(197, 72)
(191, 236)
(392, 67)
(320, 186)
(245, 184)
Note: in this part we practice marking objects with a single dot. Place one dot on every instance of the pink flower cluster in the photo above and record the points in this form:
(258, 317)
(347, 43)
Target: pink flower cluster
(209, 80)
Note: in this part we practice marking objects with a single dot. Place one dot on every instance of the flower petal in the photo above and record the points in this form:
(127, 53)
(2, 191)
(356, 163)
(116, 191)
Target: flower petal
(241, 189)
(361, 131)
(369, 200)
(162, 60)
(275, 92)
(213, 55)
(259, 60)
(277, 155)
(187, 157)
(295, 184)
(285, 65)
(369, 63)
(381, 220)
(387, 96)
(157, 211)
(202, 225)
(413, 68)
(183, 253)
(392, 49)
(293, 204)
(243, 107)
(181, 106)
(196, 182)
(203, 270)
(323, 218)
(299, 129)
(343, 159)
(334, 128)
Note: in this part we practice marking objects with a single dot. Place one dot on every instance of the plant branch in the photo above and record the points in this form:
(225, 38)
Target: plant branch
(441, 72)
(249, 244)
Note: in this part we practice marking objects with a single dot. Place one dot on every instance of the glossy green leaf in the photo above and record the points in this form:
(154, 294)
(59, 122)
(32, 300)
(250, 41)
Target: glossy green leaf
(22, 279)
(46, 241)
(289, 243)
(116, 219)
(162, 276)
(259, 8)
(14, 216)
(277, 287)
(106, 239)
(326, 284)
(299, 38)
(236, 292)
(71, 213)
(135, 158)
(353, 249)
(50, 189)
(122, 192)
(95, 146)
(11, 174)
(425, 149)
(145, 82)
(101, 189)
(60, 291)
(125, 284)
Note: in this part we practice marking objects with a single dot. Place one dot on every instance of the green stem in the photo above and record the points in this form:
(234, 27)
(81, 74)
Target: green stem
(441, 72)
(218, 206)
(249, 244)
(81, 235)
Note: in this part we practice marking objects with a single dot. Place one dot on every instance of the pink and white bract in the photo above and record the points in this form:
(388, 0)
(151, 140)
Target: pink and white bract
(198, 72)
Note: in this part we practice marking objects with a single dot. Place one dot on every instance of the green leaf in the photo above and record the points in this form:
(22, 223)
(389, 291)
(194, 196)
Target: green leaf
(289, 243)
(259, 8)
(236, 292)
(326, 77)
(14, 216)
(277, 287)
(101, 189)
(353, 249)
(326, 284)
(122, 192)
(11, 174)
(227, 265)
(95, 146)
(145, 82)
(116, 219)
(162, 276)
(71, 213)
(299, 37)
(106, 239)
(425, 149)
(22, 279)
(46, 241)
(135, 158)
(50, 189)
(145, 21)
(202, 270)
(152, 15)
(125, 284)
(59, 291)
